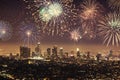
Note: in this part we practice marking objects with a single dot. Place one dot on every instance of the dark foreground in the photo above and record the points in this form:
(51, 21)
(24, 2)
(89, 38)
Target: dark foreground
(50, 70)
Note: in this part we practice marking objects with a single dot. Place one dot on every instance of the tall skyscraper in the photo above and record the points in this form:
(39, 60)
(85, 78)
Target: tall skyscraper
(54, 50)
(61, 52)
(48, 52)
(24, 52)
(38, 50)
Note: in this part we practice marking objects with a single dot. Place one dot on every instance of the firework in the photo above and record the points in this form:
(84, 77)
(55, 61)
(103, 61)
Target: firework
(44, 15)
(89, 9)
(88, 34)
(5, 31)
(110, 29)
(89, 15)
(54, 16)
(114, 4)
(55, 9)
(75, 35)
(29, 34)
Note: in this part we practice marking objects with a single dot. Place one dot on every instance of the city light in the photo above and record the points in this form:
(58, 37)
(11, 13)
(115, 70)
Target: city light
(61, 48)
(38, 43)
(78, 49)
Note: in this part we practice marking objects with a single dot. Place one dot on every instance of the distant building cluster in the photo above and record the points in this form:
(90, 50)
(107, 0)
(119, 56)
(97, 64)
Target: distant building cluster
(55, 62)
(55, 54)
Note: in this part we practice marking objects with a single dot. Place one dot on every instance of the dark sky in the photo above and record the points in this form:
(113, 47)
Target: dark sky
(14, 12)
(11, 10)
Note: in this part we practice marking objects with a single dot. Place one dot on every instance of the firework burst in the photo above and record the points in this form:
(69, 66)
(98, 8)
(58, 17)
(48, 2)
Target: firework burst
(89, 15)
(29, 34)
(88, 34)
(75, 35)
(89, 9)
(114, 4)
(5, 31)
(54, 16)
(110, 29)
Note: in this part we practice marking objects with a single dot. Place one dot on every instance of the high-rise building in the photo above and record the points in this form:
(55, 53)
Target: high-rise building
(11, 56)
(24, 52)
(78, 53)
(66, 55)
(48, 52)
(33, 54)
(38, 50)
(54, 50)
(61, 52)
(88, 55)
(110, 54)
(98, 56)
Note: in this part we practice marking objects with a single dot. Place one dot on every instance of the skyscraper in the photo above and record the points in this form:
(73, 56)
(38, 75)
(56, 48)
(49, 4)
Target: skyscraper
(24, 52)
(38, 50)
(54, 50)
(61, 52)
(48, 52)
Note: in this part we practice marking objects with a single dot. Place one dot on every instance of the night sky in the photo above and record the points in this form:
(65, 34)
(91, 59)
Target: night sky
(14, 11)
